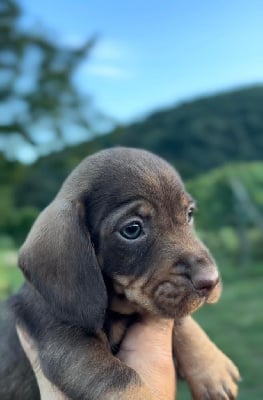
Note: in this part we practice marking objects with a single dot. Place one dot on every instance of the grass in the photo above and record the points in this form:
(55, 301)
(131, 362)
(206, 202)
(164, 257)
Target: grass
(10, 275)
(235, 324)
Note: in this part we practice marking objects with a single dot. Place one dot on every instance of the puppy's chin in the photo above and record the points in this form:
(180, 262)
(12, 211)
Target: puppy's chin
(176, 301)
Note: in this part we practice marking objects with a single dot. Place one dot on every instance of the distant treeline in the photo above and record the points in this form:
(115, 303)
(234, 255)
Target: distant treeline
(196, 137)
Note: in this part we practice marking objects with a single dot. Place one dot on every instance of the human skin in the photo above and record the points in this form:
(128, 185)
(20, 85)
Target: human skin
(147, 348)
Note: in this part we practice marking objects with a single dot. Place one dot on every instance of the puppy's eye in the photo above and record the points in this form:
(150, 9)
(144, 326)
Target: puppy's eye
(131, 231)
(190, 214)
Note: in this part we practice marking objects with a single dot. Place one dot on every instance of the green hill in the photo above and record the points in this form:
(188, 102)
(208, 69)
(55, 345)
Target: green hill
(195, 136)
(202, 134)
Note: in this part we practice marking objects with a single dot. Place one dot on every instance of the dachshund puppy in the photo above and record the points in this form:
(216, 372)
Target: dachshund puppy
(116, 242)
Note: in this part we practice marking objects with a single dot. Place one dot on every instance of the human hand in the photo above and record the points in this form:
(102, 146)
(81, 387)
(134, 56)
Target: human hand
(147, 348)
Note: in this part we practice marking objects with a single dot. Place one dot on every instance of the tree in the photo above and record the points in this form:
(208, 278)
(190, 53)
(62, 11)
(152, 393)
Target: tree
(37, 81)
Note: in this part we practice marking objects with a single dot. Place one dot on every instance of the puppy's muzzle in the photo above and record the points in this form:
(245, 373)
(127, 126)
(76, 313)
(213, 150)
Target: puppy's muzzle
(202, 273)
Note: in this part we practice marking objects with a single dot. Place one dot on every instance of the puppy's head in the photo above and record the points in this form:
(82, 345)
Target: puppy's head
(142, 227)
(122, 217)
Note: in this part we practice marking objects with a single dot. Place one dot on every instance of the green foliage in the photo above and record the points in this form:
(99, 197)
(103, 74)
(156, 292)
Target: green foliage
(10, 276)
(14, 221)
(226, 246)
(231, 226)
(216, 199)
(37, 77)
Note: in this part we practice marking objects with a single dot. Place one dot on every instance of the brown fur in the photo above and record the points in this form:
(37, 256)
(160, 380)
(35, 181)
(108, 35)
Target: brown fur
(87, 282)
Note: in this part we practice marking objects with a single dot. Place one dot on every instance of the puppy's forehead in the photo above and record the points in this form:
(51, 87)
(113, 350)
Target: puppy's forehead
(126, 174)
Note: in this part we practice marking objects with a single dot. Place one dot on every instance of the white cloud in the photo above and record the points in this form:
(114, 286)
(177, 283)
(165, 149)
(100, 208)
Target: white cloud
(107, 71)
(107, 58)
(73, 40)
(109, 50)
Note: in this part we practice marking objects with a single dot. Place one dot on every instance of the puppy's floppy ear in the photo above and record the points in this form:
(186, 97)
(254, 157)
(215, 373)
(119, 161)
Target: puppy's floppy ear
(59, 260)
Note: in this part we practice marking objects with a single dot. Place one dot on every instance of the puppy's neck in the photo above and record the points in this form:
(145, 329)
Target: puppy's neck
(121, 305)
(118, 302)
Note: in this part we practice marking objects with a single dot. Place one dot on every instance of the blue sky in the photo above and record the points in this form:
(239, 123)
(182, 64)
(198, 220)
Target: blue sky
(151, 54)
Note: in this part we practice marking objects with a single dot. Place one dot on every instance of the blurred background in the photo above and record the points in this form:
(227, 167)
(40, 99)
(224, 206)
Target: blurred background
(182, 79)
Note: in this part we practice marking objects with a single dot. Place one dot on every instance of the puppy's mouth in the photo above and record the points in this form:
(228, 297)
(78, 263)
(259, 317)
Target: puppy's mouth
(182, 296)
